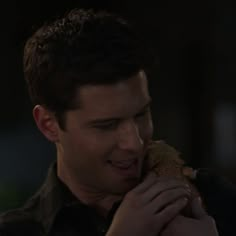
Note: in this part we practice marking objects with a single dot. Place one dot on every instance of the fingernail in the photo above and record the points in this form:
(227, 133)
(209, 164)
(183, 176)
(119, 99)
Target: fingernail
(187, 187)
(189, 190)
(184, 200)
(199, 200)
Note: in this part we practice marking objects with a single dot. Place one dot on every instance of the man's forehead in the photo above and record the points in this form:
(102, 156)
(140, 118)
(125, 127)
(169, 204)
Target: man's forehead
(122, 99)
(134, 87)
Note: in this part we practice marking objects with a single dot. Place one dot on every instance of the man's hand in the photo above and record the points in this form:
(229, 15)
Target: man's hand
(202, 224)
(147, 208)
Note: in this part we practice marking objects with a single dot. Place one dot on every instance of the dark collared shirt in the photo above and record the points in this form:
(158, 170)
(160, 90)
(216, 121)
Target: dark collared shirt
(54, 211)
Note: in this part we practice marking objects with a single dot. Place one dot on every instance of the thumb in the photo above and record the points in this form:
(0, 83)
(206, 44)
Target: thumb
(197, 208)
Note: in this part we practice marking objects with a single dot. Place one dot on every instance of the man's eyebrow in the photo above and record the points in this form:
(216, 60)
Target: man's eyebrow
(113, 119)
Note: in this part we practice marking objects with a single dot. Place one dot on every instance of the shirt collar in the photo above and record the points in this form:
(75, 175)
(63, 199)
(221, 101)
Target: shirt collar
(53, 197)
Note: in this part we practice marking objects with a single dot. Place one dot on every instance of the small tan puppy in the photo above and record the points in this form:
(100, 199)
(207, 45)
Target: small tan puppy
(164, 160)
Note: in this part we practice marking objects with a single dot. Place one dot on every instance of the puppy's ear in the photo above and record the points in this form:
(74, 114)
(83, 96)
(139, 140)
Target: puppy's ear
(46, 123)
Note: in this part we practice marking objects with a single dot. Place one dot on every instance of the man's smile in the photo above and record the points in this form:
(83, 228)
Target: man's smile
(127, 168)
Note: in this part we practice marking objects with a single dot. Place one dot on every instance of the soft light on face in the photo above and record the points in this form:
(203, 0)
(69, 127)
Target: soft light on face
(106, 138)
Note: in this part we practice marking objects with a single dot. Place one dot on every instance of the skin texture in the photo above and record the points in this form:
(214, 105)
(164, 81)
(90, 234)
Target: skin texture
(84, 149)
(151, 205)
(113, 124)
(200, 224)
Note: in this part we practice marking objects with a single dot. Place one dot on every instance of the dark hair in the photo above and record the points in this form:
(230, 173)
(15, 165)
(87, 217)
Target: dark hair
(84, 47)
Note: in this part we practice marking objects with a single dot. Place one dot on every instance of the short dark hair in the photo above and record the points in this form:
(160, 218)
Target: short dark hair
(83, 47)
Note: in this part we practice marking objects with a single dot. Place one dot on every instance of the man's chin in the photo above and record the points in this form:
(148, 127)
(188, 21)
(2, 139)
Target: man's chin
(125, 187)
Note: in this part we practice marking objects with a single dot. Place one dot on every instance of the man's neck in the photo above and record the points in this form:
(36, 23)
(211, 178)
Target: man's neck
(102, 202)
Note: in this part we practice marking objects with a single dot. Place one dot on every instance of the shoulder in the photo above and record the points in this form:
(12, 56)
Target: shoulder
(20, 221)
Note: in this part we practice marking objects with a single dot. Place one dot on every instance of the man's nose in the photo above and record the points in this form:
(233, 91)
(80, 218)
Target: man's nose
(129, 138)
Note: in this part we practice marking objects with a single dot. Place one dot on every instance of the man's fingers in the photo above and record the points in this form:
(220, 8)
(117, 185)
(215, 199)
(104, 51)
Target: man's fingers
(167, 197)
(161, 187)
(152, 186)
(146, 184)
(171, 211)
(197, 208)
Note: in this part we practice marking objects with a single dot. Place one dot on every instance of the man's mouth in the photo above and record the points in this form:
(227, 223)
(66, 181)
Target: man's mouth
(125, 167)
(122, 164)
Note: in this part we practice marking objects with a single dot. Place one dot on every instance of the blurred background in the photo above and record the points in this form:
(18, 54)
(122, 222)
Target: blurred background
(193, 90)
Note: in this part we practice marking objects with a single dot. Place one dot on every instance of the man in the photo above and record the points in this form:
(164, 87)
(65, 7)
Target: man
(86, 75)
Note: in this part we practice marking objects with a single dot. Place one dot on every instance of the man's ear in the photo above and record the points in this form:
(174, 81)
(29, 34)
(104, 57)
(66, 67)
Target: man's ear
(46, 122)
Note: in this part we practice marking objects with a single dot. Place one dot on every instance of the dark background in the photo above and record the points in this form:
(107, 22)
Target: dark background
(193, 89)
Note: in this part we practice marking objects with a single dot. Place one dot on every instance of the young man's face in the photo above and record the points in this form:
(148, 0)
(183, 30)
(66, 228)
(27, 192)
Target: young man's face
(106, 139)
